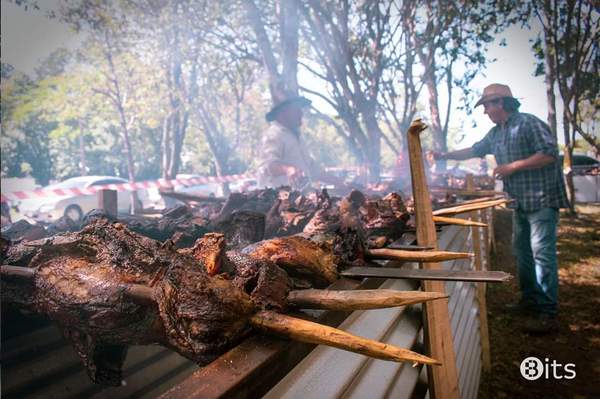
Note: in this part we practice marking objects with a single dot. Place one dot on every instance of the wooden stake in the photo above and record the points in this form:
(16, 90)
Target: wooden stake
(458, 221)
(314, 333)
(107, 200)
(416, 256)
(481, 299)
(469, 207)
(358, 299)
(478, 200)
(17, 272)
(457, 191)
(443, 381)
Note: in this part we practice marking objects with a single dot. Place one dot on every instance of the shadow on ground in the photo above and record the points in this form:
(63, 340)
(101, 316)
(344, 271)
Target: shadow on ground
(578, 340)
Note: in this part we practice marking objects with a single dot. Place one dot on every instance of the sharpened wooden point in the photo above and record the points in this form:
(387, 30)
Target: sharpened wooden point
(314, 333)
(416, 256)
(17, 272)
(469, 207)
(358, 299)
(458, 221)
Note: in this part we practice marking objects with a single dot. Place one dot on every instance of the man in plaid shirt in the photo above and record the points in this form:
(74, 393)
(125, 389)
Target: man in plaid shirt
(527, 156)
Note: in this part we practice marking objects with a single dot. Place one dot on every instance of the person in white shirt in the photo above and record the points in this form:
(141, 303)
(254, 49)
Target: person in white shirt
(284, 159)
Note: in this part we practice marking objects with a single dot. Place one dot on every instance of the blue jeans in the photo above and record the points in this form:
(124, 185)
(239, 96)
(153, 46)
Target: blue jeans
(534, 245)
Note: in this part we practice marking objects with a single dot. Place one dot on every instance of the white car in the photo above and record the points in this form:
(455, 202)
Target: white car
(207, 189)
(51, 208)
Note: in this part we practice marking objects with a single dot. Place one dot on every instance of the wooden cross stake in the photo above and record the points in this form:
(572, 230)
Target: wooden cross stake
(443, 381)
(478, 250)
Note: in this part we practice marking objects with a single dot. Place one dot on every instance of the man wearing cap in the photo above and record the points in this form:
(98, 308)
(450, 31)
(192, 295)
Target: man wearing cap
(527, 156)
(284, 160)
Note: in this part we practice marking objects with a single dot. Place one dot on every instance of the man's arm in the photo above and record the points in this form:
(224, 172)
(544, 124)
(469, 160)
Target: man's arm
(459, 155)
(278, 168)
(329, 178)
(536, 161)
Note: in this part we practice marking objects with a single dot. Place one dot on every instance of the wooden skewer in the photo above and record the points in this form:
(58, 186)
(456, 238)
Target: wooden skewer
(292, 327)
(416, 256)
(459, 191)
(308, 299)
(458, 221)
(468, 208)
(314, 333)
(358, 299)
(478, 200)
(138, 293)
(18, 272)
(409, 247)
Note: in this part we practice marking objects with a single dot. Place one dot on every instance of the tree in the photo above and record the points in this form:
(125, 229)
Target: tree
(571, 57)
(25, 144)
(348, 43)
(450, 40)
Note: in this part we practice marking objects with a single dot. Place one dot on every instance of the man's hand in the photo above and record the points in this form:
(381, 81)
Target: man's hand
(435, 155)
(505, 170)
(295, 175)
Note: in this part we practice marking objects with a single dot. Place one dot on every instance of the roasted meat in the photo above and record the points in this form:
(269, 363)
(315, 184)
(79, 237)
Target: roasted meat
(108, 288)
(79, 281)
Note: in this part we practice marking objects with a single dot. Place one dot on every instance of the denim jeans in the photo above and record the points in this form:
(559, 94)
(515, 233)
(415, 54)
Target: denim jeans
(534, 245)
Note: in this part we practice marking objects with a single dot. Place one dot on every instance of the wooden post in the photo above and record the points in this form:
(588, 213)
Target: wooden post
(443, 381)
(481, 300)
(107, 200)
(486, 216)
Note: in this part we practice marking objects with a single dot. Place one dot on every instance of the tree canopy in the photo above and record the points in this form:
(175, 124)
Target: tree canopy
(158, 88)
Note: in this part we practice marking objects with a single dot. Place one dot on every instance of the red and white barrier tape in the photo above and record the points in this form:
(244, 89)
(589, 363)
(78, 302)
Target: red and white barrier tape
(160, 183)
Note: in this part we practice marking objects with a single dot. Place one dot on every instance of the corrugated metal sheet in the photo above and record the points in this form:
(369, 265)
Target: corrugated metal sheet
(41, 364)
(330, 373)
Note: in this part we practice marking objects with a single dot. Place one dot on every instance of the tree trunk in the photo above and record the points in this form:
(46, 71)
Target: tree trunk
(83, 170)
(374, 149)
(439, 139)
(289, 43)
(550, 79)
(166, 148)
(211, 134)
(119, 104)
(262, 39)
(568, 163)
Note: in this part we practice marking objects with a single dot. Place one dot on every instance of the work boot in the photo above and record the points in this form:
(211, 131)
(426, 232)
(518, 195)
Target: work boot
(543, 323)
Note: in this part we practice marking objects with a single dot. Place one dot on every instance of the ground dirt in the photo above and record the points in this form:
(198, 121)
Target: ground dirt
(578, 340)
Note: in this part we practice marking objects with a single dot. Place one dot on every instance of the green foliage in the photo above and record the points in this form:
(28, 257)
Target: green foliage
(191, 71)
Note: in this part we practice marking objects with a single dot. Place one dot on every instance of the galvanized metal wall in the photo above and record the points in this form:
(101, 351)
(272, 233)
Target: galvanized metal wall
(330, 373)
(41, 364)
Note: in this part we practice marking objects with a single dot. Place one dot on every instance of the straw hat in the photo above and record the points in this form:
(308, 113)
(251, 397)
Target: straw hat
(494, 91)
(283, 98)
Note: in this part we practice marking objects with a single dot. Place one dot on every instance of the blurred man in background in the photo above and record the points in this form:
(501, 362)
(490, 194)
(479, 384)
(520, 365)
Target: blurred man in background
(527, 156)
(284, 159)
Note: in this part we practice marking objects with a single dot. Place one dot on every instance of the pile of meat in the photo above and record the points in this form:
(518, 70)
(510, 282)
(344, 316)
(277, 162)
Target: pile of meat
(246, 218)
(243, 260)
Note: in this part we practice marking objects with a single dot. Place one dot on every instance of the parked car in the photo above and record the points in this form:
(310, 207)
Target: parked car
(582, 163)
(207, 189)
(243, 185)
(51, 208)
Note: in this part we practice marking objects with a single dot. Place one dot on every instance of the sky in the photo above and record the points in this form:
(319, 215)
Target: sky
(28, 37)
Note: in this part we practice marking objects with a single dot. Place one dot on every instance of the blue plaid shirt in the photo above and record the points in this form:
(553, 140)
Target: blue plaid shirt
(522, 136)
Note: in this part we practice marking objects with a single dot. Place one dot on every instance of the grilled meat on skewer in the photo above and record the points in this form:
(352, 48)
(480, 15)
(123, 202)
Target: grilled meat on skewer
(109, 288)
